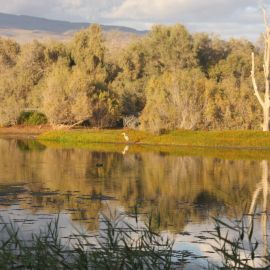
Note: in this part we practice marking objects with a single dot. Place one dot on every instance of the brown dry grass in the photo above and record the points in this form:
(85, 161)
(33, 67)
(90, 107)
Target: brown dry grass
(24, 130)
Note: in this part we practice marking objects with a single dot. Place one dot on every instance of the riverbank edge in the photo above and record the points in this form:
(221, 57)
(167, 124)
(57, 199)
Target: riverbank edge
(24, 131)
(253, 140)
(233, 145)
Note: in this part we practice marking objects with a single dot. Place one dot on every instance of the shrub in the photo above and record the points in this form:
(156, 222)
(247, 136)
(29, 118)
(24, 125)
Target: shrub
(174, 101)
(32, 118)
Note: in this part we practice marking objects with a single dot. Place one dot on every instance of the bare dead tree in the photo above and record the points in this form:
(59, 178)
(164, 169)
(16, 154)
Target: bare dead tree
(264, 102)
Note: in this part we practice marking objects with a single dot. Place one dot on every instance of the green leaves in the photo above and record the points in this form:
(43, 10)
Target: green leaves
(169, 77)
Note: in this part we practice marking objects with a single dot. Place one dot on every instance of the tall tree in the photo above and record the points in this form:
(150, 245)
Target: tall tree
(264, 102)
(169, 48)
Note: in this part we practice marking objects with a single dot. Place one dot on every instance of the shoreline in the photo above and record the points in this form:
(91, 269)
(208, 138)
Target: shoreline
(252, 145)
(32, 131)
(227, 140)
(249, 140)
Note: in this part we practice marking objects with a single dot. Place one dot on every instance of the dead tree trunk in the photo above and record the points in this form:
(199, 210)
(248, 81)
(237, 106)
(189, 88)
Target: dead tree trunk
(264, 102)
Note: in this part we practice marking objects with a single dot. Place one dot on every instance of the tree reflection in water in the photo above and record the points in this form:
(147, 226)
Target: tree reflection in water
(262, 189)
(177, 190)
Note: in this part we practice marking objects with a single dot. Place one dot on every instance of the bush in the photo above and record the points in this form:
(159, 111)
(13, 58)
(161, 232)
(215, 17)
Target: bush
(174, 101)
(32, 118)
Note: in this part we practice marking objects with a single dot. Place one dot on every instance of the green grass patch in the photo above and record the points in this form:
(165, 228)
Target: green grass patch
(95, 136)
(221, 144)
(225, 139)
(237, 139)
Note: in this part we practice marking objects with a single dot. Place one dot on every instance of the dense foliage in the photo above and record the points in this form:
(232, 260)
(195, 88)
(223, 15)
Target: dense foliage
(168, 79)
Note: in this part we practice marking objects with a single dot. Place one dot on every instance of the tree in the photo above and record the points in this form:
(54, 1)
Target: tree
(9, 51)
(20, 78)
(169, 48)
(56, 98)
(229, 105)
(209, 50)
(88, 52)
(70, 97)
(11, 99)
(174, 101)
(236, 64)
(130, 82)
(56, 51)
(264, 102)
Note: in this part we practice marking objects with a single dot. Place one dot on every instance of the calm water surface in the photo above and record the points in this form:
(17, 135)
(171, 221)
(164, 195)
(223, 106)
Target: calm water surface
(183, 193)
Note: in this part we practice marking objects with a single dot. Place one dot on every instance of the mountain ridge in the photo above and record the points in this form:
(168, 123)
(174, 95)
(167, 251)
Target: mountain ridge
(32, 23)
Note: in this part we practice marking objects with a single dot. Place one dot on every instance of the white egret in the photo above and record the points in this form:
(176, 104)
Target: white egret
(126, 137)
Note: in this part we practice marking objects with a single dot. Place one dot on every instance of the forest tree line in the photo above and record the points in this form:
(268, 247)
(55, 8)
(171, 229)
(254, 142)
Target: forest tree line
(168, 79)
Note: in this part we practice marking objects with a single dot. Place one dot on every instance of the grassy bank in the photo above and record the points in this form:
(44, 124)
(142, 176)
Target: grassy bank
(228, 145)
(215, 139)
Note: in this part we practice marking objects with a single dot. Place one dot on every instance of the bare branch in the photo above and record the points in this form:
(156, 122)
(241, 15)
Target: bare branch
(265, 101)
(265, 18)
(255, 86)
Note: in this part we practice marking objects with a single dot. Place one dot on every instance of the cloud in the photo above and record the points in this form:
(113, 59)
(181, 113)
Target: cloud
(227, 17)
(172, 10)
(74, 10)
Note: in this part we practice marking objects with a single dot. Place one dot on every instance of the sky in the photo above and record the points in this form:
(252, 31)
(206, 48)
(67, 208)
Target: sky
(228, 18)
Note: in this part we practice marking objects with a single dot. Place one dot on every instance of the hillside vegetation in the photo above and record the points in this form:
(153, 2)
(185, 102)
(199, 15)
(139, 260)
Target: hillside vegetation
(166, 80)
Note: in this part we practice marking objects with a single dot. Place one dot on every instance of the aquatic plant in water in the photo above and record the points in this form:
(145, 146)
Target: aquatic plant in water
(237, 246)
(125, 243)
(120, 245)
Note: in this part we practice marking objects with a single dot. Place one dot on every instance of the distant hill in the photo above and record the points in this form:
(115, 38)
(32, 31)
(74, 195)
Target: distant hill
(24, 27)
(24, 22)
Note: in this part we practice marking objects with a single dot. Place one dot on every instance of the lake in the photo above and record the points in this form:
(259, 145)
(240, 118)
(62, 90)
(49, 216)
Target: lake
(182, 193)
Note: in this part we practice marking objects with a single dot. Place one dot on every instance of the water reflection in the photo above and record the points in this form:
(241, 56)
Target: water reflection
(30, 145)
(126, 149)
(183, 193)
(195, 187)
(262, 188)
